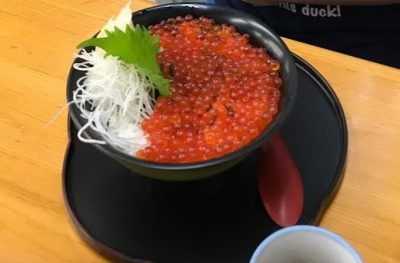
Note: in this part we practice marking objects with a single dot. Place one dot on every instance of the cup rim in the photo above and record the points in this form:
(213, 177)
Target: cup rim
(305, 228)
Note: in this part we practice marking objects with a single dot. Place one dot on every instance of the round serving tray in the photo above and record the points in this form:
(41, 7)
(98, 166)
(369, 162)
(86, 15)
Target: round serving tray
(132, 218)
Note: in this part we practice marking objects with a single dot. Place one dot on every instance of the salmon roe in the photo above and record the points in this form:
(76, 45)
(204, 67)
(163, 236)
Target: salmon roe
(225, 92)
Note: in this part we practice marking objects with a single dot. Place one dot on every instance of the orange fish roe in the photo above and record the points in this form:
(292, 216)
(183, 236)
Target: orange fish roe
(225, 92)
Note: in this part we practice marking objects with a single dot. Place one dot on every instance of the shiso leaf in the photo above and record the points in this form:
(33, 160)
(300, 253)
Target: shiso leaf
(134, 46)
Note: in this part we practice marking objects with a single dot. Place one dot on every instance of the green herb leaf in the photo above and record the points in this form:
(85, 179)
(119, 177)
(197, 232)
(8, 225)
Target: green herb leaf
(136, 47)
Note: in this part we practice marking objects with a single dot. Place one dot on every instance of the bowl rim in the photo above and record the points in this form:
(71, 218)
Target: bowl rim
(241, 152)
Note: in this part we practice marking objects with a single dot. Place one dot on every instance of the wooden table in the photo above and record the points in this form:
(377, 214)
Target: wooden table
(37, 43)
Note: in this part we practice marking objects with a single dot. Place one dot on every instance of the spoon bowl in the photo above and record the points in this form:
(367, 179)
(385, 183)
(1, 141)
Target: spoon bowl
(279, 183)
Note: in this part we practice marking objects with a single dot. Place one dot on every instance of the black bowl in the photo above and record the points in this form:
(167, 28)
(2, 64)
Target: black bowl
(261, 35)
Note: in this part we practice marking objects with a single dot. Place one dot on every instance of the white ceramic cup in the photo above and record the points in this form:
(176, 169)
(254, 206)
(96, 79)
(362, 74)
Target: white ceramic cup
(305, 244)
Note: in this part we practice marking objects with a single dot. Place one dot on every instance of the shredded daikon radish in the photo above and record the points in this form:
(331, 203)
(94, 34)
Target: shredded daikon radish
(114, 98)
(123, 19)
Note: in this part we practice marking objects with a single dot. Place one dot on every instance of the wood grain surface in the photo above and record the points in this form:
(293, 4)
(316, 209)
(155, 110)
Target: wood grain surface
(37, 45)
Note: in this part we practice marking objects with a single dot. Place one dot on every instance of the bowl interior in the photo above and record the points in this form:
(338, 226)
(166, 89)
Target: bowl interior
(260, 35)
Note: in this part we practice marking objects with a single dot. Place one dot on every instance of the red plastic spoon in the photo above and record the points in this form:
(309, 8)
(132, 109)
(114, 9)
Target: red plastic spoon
(279, 183)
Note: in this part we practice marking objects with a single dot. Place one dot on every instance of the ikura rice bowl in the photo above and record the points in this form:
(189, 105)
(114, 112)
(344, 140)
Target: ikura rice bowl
(223, 93)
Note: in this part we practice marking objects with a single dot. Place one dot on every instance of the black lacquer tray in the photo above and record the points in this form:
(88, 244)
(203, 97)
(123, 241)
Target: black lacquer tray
(132, 218)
